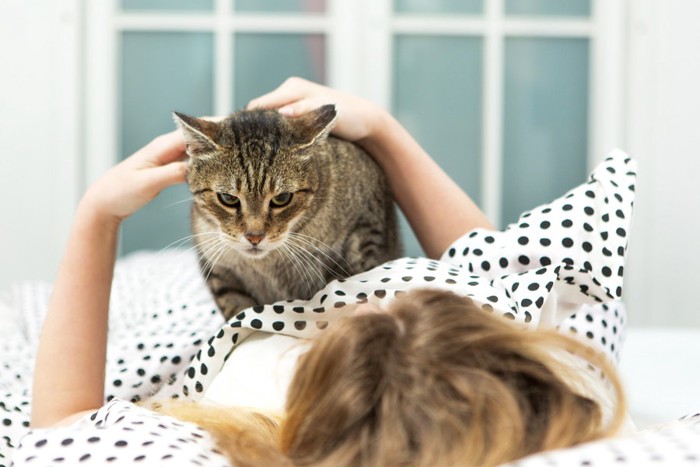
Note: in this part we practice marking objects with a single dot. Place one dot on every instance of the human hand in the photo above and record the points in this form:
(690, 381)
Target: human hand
(131, 184)
(358, 119)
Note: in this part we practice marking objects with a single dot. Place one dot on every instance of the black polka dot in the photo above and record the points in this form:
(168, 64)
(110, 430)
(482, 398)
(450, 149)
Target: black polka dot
(523, 240)
(524, 260)
(256, 324)
(278, 325)
(503, 262)
(567, 242)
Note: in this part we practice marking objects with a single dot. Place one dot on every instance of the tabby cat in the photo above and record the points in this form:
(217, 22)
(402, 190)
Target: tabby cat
(281, 208)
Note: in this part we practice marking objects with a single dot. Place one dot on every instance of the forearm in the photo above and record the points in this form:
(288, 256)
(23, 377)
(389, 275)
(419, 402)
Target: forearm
(438, 210)
(70, 363)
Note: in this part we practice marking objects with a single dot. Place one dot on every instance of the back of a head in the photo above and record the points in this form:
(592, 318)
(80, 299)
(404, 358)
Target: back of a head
(437, 381)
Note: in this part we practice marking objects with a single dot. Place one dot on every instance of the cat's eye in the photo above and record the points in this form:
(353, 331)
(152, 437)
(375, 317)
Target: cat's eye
(228, 200)
(281, 200)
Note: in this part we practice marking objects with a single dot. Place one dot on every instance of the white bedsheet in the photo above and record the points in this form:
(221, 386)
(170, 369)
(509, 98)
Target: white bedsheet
(660, 368)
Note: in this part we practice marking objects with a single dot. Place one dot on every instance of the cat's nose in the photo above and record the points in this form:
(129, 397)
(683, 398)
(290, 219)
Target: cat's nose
(254, 237)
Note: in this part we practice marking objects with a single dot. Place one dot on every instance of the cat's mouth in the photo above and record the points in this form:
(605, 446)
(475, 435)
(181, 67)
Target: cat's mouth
(256, 251)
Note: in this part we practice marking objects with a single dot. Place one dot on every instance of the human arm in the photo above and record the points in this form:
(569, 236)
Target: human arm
(437, 209)
(70, 362)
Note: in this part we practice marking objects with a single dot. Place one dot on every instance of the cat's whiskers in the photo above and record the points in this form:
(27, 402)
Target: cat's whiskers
(303, 255)
(224, 248)
(211, 252)
(177, 243)
(309, 240)
(313, 260)
(177, 202)
(287, 253)
(200, 245)
(302, 266)
(206, 247)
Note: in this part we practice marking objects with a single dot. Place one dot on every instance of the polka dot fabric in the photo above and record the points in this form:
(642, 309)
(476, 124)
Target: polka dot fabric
(121, 433)
(161, 313)
(560, 266)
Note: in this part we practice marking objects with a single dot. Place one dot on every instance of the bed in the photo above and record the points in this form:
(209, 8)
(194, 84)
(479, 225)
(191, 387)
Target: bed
(659, 368)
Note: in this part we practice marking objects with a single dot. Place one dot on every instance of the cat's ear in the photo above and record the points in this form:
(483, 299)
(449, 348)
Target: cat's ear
(314, 126)
(199, 134)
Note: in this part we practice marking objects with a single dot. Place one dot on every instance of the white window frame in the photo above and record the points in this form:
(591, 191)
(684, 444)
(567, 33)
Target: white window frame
(359, 36)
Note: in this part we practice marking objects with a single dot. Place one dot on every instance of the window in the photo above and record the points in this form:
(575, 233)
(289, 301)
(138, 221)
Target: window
(505, 94)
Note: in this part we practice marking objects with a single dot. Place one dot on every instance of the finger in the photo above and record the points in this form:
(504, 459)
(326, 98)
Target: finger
(301, 107)
(162, 150)
(158, 178)
(274, 99)
(289, 91)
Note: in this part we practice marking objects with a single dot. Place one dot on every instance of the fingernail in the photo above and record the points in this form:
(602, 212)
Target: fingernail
(286, 111)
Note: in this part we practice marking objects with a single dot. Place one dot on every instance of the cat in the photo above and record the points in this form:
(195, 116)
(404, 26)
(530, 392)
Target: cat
(280, 208)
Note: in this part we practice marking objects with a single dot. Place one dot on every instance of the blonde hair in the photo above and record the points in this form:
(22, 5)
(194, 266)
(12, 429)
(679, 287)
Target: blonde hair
(432, 381)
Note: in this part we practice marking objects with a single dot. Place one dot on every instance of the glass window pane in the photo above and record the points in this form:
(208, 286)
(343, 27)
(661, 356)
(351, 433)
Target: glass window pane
(545, 121)
(439, 6)
(184, 5)
(154, 82)
(438, 98)
(315, 6)
(549, 7)
(264, 61)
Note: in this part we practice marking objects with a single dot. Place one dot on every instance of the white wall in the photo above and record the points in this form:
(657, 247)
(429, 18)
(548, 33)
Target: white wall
(664, 134)
(38, 129)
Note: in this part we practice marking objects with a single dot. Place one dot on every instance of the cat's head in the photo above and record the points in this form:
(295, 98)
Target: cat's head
(253, 176)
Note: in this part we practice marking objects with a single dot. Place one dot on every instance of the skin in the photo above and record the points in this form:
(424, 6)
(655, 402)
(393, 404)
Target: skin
(76, 321)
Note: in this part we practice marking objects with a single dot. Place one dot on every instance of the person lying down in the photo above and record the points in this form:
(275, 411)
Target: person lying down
(499, 345)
